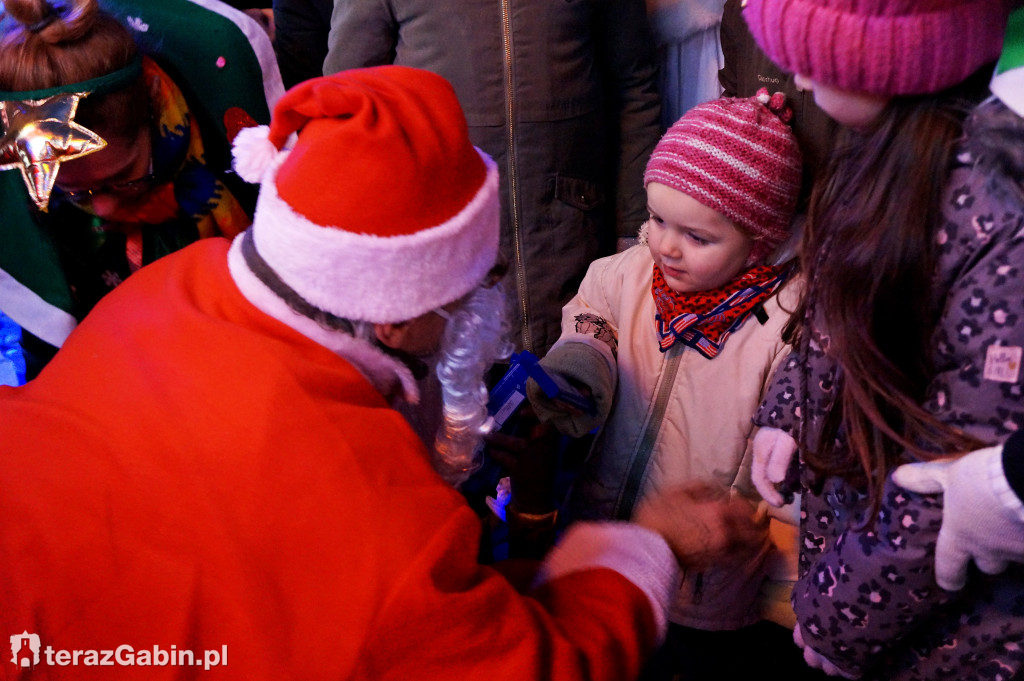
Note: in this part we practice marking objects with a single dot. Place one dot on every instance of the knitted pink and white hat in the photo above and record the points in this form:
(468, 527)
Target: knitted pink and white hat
(738, 157)
(382, 210)
(881, 47)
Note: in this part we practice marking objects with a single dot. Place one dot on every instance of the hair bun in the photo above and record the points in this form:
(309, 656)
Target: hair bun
(50, 14)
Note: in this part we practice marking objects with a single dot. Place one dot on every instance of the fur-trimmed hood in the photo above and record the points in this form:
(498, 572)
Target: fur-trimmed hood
(995, 137)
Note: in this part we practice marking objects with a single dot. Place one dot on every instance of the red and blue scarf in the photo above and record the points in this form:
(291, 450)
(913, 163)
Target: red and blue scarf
(704, 320)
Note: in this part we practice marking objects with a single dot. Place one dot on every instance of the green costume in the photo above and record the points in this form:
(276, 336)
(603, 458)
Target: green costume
(224, 65)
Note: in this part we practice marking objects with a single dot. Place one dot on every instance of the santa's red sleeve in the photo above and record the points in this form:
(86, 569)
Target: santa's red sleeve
(595, 611)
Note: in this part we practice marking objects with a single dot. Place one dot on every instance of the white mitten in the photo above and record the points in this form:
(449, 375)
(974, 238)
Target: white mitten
(773, 452)
(982, 519)
(816, 660)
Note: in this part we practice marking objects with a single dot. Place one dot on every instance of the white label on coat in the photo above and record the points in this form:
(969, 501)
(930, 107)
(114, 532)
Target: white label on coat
(1002, 363)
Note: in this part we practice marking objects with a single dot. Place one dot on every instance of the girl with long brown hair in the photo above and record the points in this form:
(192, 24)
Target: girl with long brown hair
(900, 343)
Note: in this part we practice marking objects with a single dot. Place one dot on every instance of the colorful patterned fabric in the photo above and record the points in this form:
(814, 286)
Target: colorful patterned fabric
(188, 186)
(191, 203)
(219, 64)
(704, 320)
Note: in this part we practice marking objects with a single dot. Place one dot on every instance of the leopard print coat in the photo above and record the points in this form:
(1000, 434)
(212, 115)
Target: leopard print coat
(867, 598)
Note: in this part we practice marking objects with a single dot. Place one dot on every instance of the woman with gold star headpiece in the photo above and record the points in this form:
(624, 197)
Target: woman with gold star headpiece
(109, 149)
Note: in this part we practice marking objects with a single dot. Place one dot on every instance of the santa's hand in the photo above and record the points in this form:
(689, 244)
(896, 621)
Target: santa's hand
(531, 461)
(773, 453)
(817, 660)
(704, 525)
(982, 519)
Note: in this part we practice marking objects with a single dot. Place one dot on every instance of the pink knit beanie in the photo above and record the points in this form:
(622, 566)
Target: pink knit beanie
(881, 47)
(739, 157)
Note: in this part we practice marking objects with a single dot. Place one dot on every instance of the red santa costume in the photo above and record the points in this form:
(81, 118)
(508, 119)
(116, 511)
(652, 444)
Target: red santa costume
(231, 478)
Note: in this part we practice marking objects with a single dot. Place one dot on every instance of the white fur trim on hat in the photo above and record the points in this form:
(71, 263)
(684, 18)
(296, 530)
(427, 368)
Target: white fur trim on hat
(385, 373)
(379, 279)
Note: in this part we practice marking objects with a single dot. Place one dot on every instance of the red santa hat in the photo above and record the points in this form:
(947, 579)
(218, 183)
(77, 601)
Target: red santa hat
(382, 210)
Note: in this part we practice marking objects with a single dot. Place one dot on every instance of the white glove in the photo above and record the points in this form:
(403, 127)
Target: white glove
(982, 519)
(773, 451)
(818, 661)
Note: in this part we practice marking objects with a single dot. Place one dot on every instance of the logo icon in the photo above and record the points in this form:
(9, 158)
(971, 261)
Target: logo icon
(25, 649)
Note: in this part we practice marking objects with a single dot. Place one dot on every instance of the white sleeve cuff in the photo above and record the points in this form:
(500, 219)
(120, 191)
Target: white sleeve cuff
(640, 555)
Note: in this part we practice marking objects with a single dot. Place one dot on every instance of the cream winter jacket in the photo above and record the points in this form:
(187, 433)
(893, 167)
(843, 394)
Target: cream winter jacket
(677, 417)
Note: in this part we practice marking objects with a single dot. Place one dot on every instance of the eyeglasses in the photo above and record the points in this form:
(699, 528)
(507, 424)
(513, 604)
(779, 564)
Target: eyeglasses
(121, 190)
(130, 188)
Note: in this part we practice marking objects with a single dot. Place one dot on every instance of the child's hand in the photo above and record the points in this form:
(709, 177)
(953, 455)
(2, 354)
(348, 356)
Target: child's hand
(773, 453)
(582, 369)
(978, 522)
(703, 525)
(816, 660)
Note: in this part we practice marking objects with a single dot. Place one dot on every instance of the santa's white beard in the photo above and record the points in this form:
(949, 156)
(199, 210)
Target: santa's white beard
(452, 417)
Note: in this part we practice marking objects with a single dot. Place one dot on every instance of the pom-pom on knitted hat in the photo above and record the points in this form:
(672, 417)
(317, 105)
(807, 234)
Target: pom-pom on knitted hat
(880, 47)
(739, 157)
(382, 210)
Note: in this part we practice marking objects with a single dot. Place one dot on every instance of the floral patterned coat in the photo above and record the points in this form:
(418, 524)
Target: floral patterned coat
(867, 598)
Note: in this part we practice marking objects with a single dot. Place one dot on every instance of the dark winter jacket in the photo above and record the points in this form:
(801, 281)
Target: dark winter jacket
(747, 69)
(560, 94)
(301, 28)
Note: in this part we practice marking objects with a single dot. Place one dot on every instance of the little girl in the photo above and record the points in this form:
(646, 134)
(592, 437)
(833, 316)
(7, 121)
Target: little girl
(676, 338)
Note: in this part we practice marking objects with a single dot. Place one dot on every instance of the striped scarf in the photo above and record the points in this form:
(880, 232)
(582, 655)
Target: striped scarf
(704, 320)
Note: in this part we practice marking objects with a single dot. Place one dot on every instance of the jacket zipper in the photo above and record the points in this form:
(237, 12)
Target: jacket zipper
(642, 455)
(513, 173)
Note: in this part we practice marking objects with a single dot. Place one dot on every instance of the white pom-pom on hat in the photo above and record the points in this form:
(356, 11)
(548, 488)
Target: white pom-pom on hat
(254, 153)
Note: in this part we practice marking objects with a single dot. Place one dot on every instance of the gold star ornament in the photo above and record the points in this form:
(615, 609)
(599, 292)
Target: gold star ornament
(39, 135)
